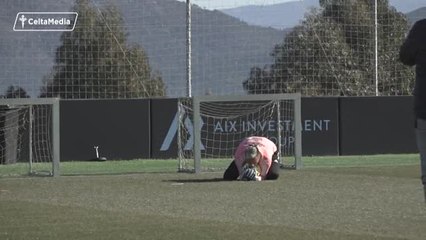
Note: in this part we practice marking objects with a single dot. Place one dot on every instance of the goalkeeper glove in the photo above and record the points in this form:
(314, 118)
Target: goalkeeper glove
(249, 173)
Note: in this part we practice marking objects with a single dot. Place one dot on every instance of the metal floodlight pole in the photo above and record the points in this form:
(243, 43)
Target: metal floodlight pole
(188, 49)
(376, 52)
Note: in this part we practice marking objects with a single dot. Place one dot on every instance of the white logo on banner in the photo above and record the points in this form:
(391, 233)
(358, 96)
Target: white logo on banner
(173, 131)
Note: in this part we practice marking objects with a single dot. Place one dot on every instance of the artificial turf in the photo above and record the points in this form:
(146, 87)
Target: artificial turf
(344, 202)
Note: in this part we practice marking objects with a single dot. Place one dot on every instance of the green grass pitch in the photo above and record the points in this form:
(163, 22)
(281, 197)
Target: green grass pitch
(357, 197)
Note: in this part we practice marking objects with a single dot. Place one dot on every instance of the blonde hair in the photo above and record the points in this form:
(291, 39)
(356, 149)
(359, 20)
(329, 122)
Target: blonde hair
(251, 155)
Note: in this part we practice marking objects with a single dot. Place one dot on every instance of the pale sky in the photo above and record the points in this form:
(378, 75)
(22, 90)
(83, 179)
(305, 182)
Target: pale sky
(221, 4)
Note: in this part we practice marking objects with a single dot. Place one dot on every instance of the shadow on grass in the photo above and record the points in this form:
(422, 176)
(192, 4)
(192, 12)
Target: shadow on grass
(199, 180)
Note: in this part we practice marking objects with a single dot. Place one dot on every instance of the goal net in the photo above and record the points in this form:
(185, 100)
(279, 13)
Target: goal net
(211, 128)
(29, 135)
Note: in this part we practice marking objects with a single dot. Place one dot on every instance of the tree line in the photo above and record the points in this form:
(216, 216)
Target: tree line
(331, 52)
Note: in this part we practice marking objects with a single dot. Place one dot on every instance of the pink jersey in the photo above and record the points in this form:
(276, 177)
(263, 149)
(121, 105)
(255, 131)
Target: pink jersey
(266, 147)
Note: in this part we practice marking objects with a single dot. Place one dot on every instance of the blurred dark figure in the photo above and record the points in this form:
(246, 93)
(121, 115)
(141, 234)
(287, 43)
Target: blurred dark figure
(413, 52)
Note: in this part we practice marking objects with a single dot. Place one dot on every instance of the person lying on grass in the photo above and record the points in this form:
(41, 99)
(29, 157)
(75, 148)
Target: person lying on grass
(255, 159)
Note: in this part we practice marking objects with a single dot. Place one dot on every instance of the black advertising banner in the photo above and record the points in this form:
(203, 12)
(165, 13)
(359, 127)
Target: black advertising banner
(164, 128)
(144, 128)
(320, 126)
(376, 125)
(319, 129)
(119, 128)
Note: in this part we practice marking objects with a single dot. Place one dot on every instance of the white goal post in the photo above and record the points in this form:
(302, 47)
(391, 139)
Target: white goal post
(29, 133)
(215, 125)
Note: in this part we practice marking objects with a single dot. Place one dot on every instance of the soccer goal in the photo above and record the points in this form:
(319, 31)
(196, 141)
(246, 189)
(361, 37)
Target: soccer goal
(211, 127)
(29, 134)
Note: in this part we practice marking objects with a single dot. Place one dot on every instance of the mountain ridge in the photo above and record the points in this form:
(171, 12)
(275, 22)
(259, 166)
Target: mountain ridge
(289, 14)
(224, 48)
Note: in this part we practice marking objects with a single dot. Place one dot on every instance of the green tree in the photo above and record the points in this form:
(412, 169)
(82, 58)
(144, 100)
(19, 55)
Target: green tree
(95, 61)
(16, 92)
(332, 52)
